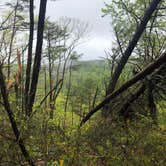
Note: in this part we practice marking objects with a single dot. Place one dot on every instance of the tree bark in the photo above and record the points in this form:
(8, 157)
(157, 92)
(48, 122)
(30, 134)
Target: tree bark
(124, 112)
(37, 61)
(29, 60)
(151, 103)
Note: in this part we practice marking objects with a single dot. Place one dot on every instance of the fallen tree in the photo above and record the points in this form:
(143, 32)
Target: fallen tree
(147, 71)
(124, 59)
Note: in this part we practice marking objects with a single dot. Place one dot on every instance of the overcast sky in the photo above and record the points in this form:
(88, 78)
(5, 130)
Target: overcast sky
(88, 11)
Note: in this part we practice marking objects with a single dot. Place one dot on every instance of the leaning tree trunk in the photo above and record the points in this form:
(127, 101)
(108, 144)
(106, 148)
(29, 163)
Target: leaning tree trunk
(10, 114)
(132, 44)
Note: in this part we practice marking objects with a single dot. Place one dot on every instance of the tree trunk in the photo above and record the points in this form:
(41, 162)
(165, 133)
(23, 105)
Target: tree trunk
(37, 61)
(125, 112)
(30, 49)
(11, 41)
(151, 103)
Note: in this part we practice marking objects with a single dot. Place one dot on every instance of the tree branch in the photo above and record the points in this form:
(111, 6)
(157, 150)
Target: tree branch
(53, 89)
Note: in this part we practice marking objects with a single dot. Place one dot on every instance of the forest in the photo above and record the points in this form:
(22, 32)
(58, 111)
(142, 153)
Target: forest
(59, 110)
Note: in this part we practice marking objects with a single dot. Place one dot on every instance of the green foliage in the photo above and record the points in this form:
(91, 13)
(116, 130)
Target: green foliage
(112, 141)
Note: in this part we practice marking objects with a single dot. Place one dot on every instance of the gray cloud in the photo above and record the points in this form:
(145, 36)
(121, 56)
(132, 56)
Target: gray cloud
(88, 11)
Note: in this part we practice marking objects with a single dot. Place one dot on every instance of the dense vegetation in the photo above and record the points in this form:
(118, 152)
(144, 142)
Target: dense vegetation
(59, 110)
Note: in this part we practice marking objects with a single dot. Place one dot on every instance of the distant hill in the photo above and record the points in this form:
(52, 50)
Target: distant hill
(90, 63)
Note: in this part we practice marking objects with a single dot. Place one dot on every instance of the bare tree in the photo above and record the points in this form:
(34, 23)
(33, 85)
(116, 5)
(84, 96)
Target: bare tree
(62, 38)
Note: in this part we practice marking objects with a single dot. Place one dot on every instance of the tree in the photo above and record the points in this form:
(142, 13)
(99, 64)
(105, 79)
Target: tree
(30, 51)
(132, 45)
(62, 38)
(35, 74)
(150, 45)
(54, 36)
(124, 59)
(37, 60)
